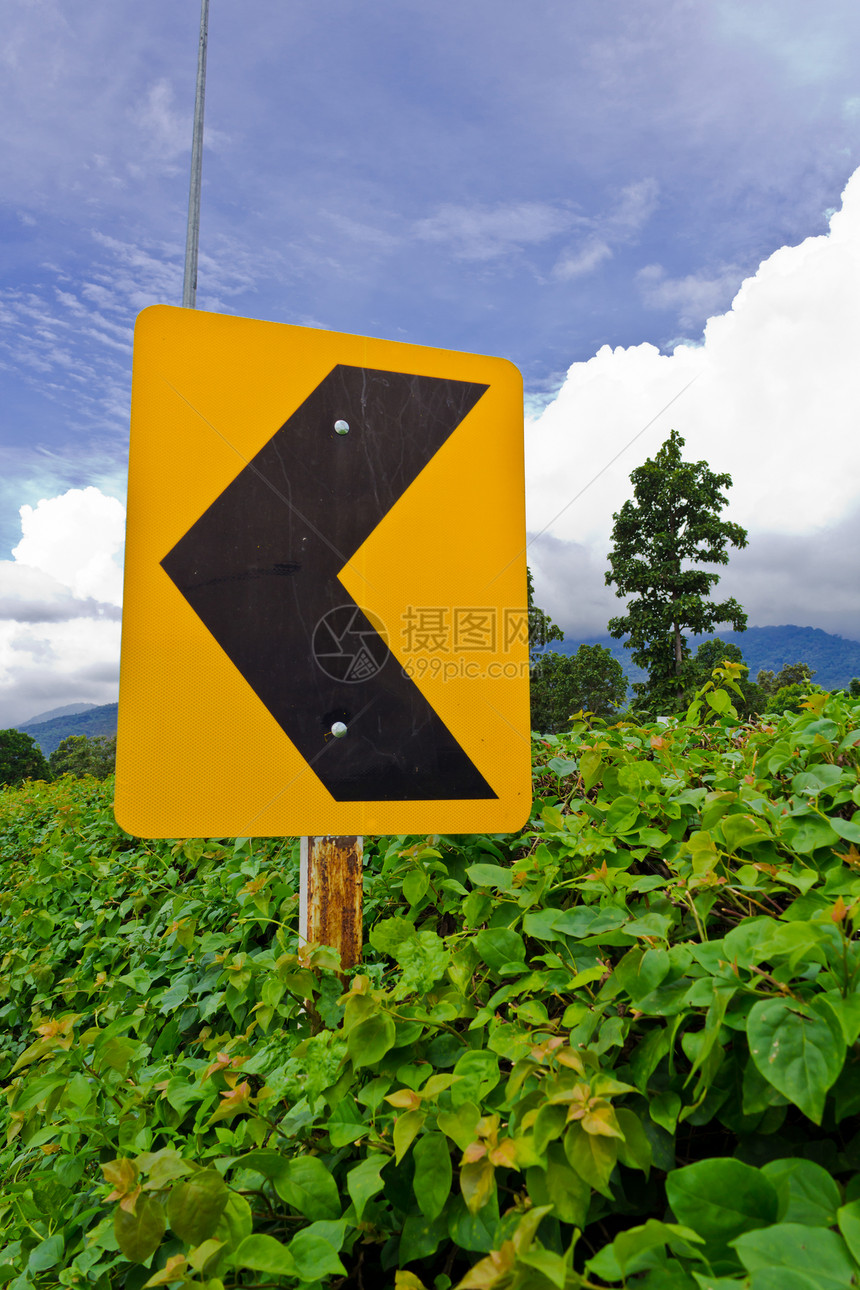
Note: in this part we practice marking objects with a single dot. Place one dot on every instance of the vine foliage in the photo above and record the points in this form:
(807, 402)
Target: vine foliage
(616, 1049)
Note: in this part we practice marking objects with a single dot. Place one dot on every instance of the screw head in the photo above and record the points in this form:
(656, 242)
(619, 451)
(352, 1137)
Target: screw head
(338, 730)
(341, 427)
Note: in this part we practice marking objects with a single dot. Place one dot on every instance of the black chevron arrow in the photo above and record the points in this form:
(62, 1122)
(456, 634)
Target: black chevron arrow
(260, 568)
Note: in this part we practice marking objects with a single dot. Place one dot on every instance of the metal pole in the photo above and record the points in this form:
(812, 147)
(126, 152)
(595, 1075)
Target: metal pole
(189, 286)
(330, 901)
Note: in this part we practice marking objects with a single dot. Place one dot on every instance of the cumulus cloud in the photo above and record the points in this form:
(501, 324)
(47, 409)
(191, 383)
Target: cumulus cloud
(770, 396)
(60, 600)
(74, 538)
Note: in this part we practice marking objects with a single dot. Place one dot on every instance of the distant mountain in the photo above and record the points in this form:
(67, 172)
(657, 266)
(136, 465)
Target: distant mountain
(93, 721)
(834, 660)
(70, 710)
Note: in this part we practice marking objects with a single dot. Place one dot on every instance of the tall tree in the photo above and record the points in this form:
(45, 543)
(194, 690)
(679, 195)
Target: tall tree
(79, 755)
(562, 684)
(20, 758)
(672, 524)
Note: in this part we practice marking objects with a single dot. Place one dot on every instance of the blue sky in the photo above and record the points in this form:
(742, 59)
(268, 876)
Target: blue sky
(539, 181)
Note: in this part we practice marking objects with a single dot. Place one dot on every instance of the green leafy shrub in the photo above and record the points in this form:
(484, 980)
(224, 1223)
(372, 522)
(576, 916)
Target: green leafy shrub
(619, 1048)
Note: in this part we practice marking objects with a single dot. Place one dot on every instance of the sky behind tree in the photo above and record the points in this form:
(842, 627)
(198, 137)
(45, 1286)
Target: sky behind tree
(640, 205)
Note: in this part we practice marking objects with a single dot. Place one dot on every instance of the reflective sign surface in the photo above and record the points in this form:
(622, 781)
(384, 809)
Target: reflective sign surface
(324, 626)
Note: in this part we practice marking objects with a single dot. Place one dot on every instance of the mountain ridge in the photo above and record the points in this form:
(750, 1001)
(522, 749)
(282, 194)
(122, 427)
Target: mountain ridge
(835, 660)
(100, 720)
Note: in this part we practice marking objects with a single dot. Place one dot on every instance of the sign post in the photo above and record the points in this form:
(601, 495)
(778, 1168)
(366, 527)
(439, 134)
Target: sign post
(330, 904)
(325, 630)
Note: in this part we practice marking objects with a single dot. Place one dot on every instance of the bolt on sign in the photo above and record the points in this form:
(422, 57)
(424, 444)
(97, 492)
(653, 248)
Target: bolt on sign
(325, 626)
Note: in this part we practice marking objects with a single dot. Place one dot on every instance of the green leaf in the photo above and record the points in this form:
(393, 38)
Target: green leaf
(415, 885)
(811, 1251)
(346, 1123)
(306, 1184)
(369, 1040)
(550, 1123)
(42, 924)
(818, 778)
(635, 1150)
(664, 1110)
(718, 700)
(314, 1256)
(641, 972)
(592, 1156)
(847, 829)
(460, 1125)
(138, 1235)
(742, 831)
(47, 1253)
(562, 766)
(195, 1206)
(848, 1218)
(476, 1074)
(781, 1279)
(236, 1221)
(800, 1055)
(559, 1186)
(476, 1232)
(721, 1283)
(586, 920)
(807, 1193)
(807, 833)
(490, 875)
(652, 1234)
(590, 764)
(363, 1181)
(420, 1238)
(264, 1254)
(721, 1198)
(433, 1173)
(406, 1127)
(389, 934)
(623, 814)
(423, 960)
(550, 1265)
(498, 946)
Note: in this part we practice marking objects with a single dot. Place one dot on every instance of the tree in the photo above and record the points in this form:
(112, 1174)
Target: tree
(79, 755)
(20, 758)
(562, 684)
(673, 523)
(542, 629)
(791, 674)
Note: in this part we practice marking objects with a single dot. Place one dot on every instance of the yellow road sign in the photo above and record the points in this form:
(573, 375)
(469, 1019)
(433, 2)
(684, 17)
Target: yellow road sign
(325, 626)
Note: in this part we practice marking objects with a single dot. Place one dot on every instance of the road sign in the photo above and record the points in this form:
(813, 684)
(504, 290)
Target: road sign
(325, 627)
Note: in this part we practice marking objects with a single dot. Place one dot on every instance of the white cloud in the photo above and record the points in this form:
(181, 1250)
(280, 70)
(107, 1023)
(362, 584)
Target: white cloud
(59, 605)
(74, 538)
(485, 232)
(636, 204)
(694, 296)
(770, 396)
(577, 261)
(619, 225)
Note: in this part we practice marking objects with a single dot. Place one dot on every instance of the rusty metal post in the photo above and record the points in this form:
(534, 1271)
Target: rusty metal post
(330, 899)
